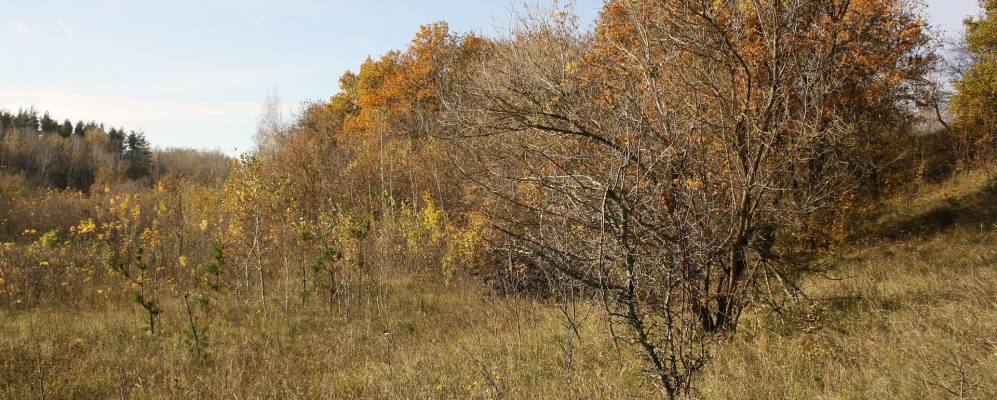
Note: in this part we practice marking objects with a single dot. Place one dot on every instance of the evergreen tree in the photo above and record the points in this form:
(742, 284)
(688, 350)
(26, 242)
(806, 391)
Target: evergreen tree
(48, 124)
(80, 129)
(116, 140)
(67, 129)
(6, 120)
(26, 119)
(137, 156)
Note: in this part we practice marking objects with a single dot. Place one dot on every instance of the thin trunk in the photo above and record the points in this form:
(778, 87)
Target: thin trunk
(193, 326)
(259, 266)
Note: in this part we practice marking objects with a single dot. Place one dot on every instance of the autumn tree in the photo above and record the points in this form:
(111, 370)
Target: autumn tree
(659, 160)
(975, 103)
(385, 120)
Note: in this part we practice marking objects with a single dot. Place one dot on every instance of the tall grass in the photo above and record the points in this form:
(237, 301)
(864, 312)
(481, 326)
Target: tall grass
(908, 311)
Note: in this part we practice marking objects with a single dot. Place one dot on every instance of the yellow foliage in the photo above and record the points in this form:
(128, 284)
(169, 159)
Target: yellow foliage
(85, 226)
(48, 239)
(149, 238)
(431, 218)
(464, 244)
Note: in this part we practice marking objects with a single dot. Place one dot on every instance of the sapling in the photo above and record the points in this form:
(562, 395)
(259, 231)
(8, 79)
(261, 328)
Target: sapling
(140, 295)
(305, 236)
(327, 263)
(357, 230)
(195, 335)
(213, 268)
(212, 285)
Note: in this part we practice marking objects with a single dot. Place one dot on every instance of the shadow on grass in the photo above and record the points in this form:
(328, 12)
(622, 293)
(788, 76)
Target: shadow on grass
(974, 209)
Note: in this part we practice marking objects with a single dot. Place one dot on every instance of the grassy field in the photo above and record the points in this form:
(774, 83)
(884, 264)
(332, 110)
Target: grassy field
(448, 343)
(908, 311)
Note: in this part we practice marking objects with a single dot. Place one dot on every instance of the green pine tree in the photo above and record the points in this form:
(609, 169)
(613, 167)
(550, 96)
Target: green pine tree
(137, 156)
(80, 129)
(67, 129)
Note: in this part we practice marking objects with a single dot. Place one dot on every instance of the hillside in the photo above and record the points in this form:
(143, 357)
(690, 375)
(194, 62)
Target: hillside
(908, 310)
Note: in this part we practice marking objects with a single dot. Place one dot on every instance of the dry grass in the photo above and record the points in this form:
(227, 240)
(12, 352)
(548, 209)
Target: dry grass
(425, 342)
(909, 314)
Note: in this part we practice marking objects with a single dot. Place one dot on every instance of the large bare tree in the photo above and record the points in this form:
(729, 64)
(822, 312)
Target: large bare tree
(659, 159)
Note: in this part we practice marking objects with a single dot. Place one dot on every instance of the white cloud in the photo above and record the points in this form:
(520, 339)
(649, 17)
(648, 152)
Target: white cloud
(19, 26)
(68, 30)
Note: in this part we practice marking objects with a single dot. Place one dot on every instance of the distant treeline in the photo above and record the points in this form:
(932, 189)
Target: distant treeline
(78, 156)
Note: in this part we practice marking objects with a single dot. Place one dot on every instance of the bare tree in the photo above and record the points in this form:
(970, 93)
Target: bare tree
(271, 127)
(659, 159)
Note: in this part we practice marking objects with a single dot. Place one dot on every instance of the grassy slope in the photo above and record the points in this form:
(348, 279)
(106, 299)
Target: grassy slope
(911, 314)
(902, 317)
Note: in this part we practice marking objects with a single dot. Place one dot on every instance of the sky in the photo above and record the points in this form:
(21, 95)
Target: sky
(195, 73)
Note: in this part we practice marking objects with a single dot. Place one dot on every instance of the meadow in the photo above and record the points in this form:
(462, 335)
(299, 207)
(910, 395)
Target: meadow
(907, 310)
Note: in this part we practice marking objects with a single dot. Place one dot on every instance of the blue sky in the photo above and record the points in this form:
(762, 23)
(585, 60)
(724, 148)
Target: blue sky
(194, 73)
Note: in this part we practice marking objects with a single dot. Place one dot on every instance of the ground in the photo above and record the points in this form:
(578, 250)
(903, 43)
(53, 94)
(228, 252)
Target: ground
(908, 310)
